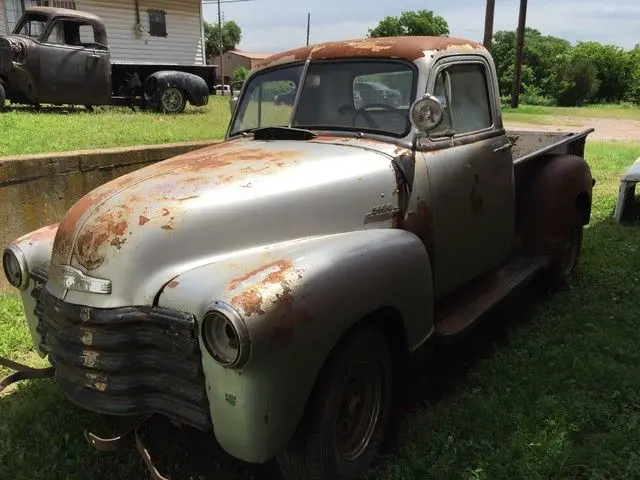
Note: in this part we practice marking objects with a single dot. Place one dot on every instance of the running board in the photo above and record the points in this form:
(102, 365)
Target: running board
(460, 311)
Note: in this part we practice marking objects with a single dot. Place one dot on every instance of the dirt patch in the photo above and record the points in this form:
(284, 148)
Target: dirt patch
(605, 128)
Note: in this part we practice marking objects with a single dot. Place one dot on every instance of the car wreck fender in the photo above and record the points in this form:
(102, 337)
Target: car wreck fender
(296, 300)
(553, 190)
(196, 88)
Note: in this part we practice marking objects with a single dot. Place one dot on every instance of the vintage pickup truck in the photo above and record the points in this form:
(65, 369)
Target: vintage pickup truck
(61, 57)
(273, 288)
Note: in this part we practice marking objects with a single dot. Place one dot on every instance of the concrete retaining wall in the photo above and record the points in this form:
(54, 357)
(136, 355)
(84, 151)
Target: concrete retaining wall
(37, 190)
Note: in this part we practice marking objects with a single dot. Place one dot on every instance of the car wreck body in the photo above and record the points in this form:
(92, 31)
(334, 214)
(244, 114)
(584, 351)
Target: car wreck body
(272, 288)
(61, 57)
(628, 204)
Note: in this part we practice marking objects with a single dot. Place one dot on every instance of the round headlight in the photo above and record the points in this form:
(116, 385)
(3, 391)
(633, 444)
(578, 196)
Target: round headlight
(225, 336)
(15, 268)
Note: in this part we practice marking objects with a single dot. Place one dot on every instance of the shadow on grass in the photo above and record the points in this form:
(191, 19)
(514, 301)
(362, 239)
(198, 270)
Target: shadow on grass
(41, 433)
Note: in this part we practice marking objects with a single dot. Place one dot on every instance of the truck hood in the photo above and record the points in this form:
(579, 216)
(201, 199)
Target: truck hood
(143, 229)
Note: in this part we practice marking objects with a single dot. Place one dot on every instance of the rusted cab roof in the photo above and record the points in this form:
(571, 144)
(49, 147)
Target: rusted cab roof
(406, 48)
(63, 12)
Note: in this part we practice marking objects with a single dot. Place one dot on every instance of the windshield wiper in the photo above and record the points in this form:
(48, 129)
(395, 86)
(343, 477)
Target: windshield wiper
(282, 133)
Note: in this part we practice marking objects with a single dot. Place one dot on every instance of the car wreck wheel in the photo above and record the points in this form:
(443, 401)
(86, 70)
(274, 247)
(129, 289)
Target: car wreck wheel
(565, 263)
(172, 100)
(346, 419)
(3, 97)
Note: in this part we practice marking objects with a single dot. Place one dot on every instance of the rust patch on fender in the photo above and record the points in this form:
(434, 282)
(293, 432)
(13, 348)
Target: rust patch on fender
(143, 220)
(107, 229)
(173, 284)
(285, 317)
(274, 277)
(250, 302)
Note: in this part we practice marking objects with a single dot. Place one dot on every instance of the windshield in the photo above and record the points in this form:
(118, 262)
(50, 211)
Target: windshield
(32, 25)
(368, 96)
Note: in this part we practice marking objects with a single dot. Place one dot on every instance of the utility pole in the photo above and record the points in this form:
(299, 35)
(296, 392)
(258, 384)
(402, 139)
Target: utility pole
(522, 20)
(488, 23)
(220, 48)
(308, 27)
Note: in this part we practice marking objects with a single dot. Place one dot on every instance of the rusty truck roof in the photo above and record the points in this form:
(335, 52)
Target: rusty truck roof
(406, 48)
(63, 12)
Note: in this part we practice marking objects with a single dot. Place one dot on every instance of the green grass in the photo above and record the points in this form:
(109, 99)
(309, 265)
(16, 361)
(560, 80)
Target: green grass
(25, 130)
(627, 112)
(548, 387)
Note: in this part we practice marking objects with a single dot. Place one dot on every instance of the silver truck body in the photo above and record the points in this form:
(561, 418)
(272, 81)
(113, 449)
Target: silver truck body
(295, 240)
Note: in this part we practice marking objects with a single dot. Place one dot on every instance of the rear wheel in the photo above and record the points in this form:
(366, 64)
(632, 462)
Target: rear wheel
(346, 420)
(3, 97)
(172, 100)
(565, 263)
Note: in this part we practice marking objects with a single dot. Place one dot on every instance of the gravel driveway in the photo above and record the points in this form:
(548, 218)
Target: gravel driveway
(605, 128)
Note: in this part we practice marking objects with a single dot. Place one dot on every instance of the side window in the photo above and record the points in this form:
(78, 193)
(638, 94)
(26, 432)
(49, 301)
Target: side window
(87, 35)
(464, 92)
(56, 36)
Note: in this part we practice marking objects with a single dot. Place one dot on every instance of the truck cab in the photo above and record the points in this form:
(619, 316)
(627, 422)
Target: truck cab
(56, 56)
(273, 288)
(61, 56)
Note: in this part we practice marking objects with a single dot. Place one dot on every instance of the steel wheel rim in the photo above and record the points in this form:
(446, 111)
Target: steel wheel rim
(570, 253)
(171, 99)
(359, 410)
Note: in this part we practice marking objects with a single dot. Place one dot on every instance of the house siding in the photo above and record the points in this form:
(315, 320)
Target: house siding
(3, 21)
(182, 45)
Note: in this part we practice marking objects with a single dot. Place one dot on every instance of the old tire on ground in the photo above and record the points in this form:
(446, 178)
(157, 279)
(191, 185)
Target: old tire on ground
(346, 419)
(171, 100)
(3, 97)
(565, 263)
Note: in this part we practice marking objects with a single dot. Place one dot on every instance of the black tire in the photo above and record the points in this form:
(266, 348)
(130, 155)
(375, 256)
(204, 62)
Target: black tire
(171, 100)
(565, 263)
(3, 97)
(332, 443)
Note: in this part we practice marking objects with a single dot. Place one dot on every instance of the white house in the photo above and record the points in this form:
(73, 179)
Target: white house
(139, 31)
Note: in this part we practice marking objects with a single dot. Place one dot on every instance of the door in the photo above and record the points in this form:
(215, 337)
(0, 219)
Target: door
(470, 175)
(75, 68)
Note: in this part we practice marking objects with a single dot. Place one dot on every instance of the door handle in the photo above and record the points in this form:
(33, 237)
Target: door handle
(503, 148)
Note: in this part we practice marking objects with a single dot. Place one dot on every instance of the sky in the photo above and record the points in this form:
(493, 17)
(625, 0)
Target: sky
(276, 25)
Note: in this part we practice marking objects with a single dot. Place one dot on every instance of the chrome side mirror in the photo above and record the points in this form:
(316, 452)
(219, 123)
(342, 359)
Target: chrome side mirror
(427, 113)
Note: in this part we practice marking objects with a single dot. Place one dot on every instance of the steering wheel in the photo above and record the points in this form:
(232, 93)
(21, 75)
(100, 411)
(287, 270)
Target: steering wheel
(372, 123)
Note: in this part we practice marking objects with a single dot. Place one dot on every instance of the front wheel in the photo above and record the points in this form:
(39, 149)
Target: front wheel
(172, 100)
(346, 420)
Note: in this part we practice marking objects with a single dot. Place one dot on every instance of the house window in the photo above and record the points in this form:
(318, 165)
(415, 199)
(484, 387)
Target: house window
(157, 23)
(57, 4)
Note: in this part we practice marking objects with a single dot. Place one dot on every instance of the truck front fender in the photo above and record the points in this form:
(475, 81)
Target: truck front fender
(297, 299)
(195, 87)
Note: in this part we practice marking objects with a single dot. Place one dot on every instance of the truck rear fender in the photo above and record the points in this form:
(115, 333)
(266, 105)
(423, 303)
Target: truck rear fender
(551, 192)
(195, 86)
(297, 300)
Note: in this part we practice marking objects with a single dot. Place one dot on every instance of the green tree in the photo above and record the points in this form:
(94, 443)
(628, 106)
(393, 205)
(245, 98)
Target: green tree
(420, 22)
(578, 82)
(239, 75)
(614, 66)
(231, 36)
(542, 62)
(634, 91)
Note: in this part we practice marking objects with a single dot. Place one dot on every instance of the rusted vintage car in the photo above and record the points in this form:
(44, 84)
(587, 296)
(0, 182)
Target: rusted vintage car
(274, 287)
(61, 57)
